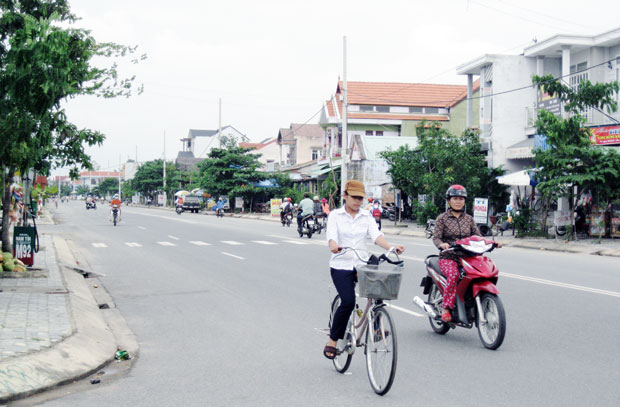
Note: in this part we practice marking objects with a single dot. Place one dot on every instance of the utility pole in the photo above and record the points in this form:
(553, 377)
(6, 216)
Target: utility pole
(165, 197)
(119, 177)
(219, 132)
(344, 151)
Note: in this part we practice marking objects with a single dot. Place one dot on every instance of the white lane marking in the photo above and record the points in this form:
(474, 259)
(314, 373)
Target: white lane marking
(100, 245)
(231, 242)
(232, 255)
(412, 258)
(141, 227)
(172, 237)
(295, 242)
(263, 242)
(166, 244)
(133, 244)
(563, 285)
(199, 243)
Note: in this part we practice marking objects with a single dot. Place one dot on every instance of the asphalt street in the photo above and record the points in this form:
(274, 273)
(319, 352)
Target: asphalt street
(228, 312)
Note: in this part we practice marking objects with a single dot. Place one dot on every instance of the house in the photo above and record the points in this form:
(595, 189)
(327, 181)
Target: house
(91, 179)
(384, 115)
(507, 112)
(198, 144)
(269, 151)
(300, 143)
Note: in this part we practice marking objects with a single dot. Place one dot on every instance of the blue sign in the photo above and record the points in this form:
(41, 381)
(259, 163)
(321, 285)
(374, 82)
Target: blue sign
(540, 142)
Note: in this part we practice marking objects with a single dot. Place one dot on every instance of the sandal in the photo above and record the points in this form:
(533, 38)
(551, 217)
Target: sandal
(446, 316)
(330, 352)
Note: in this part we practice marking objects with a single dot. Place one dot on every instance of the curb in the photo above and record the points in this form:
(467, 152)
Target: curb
(91, 346)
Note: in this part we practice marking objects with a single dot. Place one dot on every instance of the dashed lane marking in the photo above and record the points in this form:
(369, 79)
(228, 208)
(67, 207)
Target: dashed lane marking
(173, 237)
(100, 245)
(558, 284)
(133, 244)
(199, 243)
(295, 242)
(141, 227)
(231, 242)
(232, 255)
(264, 242)
(166, 244)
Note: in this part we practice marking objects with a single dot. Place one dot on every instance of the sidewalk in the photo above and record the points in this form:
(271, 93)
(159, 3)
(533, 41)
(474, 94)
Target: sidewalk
(51, 328)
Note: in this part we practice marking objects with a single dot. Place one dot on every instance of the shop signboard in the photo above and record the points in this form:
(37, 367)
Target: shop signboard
(481, 210)
(605, 135)
(23, 244)
(275, 206)
(549, 103)
(239, 202)
(226, 201)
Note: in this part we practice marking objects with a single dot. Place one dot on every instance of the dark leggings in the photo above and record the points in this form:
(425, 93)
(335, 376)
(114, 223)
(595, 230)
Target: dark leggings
(344, 280)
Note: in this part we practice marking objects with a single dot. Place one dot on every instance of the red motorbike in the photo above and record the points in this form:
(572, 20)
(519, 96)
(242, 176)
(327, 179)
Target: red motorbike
(477, 301)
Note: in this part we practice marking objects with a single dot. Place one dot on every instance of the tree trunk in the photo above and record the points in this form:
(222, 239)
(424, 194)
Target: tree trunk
(571, 208)
(6, 205)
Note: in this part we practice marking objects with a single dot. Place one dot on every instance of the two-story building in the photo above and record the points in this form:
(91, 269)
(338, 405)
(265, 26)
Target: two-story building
(509, 102)
(384, 115)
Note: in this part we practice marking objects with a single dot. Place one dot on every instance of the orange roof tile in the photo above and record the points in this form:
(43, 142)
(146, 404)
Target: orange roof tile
(252, 145)
(403, 94)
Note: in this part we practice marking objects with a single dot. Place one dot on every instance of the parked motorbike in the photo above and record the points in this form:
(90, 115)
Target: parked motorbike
(430, 228)
(115, 218)
(307, 226)
(219, 212)
(477, 301)
(179, 209)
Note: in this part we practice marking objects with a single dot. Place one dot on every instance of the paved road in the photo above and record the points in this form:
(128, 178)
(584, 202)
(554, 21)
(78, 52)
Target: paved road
(226, 311)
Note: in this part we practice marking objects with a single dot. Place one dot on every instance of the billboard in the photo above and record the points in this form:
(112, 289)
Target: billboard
(605, 135)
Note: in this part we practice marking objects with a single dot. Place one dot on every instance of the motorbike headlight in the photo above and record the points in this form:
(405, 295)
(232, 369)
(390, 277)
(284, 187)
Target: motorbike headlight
(477, 246)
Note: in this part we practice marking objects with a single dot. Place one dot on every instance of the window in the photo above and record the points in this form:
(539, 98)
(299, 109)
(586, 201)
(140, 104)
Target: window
(378, 133)
(415, 110)
(366, 108)
(315, 154)
(369, 132)
(578, 67)
(431, 110)
(382, 109)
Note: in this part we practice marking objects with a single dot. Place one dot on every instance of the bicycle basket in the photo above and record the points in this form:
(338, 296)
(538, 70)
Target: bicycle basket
(381, 281)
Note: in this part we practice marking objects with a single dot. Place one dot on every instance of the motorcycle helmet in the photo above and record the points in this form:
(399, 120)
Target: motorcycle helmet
(323, 200)
(115, 196)
(456, 190)
(316, 198)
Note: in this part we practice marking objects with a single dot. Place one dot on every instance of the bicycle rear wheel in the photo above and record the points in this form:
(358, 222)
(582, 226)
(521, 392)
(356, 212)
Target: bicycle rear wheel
(381, 351)
(342, 361)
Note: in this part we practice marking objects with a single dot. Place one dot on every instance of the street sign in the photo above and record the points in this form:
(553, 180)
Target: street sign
(275, 206)
(481, 210)
(226, 201)
(238, 202)
(23, 244)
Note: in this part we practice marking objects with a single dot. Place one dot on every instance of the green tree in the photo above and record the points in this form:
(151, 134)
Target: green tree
(149, 179)
(82, 190)
(108, 186)
(572, 164)
(44, 61)
(439, 160)
(65, 190)
(231, 171)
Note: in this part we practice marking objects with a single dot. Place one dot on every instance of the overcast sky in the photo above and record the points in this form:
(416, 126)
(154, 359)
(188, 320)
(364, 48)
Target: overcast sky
(274, 62)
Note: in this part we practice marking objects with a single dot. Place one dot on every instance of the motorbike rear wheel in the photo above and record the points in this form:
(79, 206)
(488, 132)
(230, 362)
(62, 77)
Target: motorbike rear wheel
(439, 327)
(491, 332)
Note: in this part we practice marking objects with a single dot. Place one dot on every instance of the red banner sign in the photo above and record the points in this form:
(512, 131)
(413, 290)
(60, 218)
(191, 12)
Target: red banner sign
(605, 135)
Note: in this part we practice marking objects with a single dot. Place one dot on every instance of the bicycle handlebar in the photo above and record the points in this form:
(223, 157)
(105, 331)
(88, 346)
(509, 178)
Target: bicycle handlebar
(382, 258)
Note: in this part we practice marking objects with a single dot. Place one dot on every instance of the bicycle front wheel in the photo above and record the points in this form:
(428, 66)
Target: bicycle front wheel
(342, 361)
(381, 351)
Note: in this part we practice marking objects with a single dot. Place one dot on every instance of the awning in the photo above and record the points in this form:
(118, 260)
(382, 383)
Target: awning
(522, 149)
(322, 171)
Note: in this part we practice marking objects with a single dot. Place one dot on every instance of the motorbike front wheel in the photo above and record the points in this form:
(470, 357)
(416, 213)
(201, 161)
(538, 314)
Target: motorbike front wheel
(439, 327)
(493, 330)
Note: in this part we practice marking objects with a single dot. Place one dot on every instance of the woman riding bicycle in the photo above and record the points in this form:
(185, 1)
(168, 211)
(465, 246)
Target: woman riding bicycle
(452, 225)
(349, 226)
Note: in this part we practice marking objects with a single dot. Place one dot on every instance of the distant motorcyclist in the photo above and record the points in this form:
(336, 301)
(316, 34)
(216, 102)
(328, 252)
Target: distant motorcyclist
(116, 202)
(286, 208)
(306, 207)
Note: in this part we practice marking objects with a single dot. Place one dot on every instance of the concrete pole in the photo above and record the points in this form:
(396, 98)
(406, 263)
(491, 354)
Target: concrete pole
(165, 197)
(345, 138)
(219, 133)
(470, 94)
(565, 72)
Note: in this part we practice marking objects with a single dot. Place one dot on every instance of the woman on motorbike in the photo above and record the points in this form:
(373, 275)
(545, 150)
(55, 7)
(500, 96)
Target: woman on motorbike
(452, 225)
(349, 226)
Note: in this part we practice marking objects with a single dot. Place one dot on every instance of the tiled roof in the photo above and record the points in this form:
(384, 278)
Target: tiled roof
(404, 94)
(99, 174)
(396, 116)
(255, 146)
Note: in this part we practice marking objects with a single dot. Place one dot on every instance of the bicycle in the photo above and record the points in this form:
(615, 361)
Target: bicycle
(377, 282)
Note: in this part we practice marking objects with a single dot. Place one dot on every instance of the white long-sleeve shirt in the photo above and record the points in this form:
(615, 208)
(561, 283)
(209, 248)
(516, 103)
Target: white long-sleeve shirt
(349, 231)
